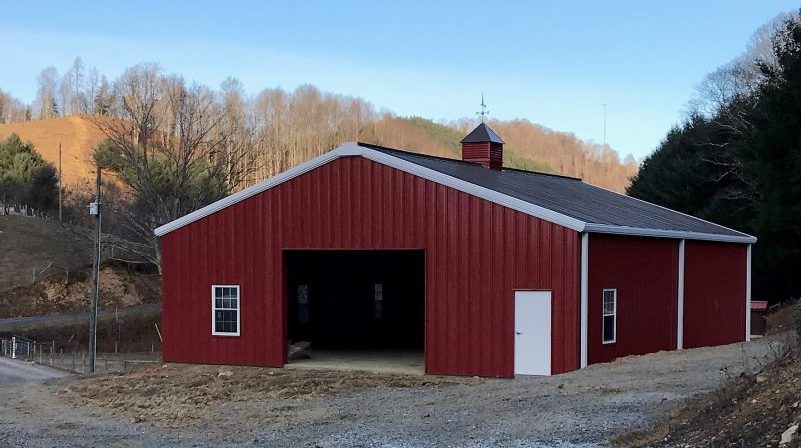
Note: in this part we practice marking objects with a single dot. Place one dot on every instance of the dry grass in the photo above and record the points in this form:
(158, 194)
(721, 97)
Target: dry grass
(182, 395)
(29, 245)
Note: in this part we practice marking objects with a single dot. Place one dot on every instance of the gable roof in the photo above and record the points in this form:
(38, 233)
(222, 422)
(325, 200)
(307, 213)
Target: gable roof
(481, 134)
(562, 200)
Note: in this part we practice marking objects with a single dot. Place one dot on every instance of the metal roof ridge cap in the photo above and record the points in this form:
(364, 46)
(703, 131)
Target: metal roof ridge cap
(346, 149)
(474, 189)
(677, 234)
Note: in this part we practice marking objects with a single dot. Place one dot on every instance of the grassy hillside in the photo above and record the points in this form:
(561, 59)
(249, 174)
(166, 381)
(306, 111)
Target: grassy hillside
(78, 137)
(427, 137)
(29, 245)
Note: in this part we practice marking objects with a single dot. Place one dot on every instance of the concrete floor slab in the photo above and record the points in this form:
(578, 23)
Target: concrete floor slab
(390, 361)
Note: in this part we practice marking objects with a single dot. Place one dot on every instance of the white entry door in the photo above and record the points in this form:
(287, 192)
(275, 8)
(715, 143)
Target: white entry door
(532, 332)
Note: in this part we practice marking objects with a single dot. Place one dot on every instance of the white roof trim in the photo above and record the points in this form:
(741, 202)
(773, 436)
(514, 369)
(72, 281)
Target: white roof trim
(744, 237)
(253, 190)
(473, 189)
(353, 149)
(350, 149)
(677, 234)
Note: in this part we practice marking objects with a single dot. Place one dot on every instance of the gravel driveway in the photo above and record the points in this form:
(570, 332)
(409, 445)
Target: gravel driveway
(580, 409)
(16, 371)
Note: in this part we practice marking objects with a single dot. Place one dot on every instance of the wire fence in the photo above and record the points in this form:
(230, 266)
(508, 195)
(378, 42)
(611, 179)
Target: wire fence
(46, 354)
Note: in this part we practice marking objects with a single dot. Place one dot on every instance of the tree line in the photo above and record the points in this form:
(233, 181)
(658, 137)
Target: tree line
(736, 159)
(177, 145)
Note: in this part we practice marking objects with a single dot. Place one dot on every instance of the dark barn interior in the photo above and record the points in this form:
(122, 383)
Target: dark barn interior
(356, 300)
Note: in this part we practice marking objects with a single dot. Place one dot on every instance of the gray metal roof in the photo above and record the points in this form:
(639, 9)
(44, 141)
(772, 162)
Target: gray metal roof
(603, 210)
(481, 134)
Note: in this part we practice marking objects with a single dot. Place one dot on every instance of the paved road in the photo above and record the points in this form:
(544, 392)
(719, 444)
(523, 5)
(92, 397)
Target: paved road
(15, 371)
(22, 323)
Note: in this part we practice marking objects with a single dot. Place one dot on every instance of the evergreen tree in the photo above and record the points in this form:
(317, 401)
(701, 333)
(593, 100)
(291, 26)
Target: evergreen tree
(25, 178)
(772, 156)
(742, 168)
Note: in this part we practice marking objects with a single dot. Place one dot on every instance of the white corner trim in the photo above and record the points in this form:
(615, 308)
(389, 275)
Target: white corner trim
(675, 234)
(350, 149)
(748, 294)
(680, 300)
(585, 264)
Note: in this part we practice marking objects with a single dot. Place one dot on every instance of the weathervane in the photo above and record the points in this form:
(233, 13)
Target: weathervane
(484, 110)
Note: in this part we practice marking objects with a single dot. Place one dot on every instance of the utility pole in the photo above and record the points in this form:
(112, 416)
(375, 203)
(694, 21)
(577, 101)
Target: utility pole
(60, 175)
(604, 124)
(94, 209)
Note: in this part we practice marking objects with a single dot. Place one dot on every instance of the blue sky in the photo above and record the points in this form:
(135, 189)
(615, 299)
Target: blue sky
(554, 63)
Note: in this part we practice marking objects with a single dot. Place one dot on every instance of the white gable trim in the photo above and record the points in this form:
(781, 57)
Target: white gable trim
(473, 189)
(350, 149)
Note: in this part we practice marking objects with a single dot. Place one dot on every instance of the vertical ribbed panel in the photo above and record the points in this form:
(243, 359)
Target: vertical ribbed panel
(645, 273)
(476, 253)
(714, 293)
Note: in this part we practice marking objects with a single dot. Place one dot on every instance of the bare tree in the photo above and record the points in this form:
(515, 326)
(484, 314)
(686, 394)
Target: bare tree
(741, 77)
(12, 109)
(46, 95)
(176, 149)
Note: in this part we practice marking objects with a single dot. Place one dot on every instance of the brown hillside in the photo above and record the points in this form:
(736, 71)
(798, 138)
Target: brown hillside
(78, 136)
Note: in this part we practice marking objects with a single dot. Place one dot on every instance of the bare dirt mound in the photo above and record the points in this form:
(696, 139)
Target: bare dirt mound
(78, 136)
(46, 267)
(119, 287)
(181, 395)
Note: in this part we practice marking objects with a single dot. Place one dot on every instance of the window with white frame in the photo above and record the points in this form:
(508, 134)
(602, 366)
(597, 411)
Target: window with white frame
(609, 316)
(225, 310)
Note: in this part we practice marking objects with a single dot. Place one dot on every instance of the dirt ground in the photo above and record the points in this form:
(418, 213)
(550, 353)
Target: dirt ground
(191, 405)
(752, 411)
(179, 395)
(749, 411)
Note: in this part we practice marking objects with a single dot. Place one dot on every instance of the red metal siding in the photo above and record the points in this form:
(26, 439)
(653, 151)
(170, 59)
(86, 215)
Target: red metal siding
(645, 273)
(477, 254)
(714, 293)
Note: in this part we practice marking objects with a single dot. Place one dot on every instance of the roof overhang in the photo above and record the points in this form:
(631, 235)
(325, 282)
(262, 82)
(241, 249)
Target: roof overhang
(353, 149)
(676, 234)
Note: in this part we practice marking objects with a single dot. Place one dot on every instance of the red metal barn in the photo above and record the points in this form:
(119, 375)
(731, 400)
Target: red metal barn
(481, 269)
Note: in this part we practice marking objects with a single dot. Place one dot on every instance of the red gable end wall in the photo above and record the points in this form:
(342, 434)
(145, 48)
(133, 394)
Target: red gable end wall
(476, 254)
